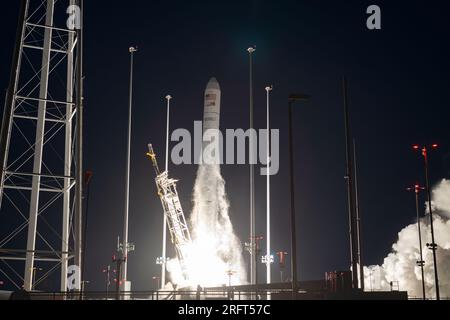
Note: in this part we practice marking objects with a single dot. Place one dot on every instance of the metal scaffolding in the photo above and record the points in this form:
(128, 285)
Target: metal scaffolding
(176, 222)
(39, 184)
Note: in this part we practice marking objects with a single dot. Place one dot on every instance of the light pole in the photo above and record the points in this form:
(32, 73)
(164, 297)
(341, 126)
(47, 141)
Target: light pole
(123, 277)
(164, 246)
(268, 260)
(358, 222)
(352, 218)
(292, 99)
(268, 252)
(432, 245)
(417, 188)
(253, 259)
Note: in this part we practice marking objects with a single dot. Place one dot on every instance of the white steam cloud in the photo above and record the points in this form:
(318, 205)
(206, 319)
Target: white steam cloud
(400, 265)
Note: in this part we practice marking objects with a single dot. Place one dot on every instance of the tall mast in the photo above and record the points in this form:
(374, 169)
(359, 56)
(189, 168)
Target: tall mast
(359, 222)
(350, 193)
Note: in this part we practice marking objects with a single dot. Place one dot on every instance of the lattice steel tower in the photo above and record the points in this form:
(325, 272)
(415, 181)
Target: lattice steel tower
(41, 149)
(176, 221)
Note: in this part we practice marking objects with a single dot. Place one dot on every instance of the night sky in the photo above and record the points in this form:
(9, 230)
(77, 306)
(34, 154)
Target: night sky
(399, 79)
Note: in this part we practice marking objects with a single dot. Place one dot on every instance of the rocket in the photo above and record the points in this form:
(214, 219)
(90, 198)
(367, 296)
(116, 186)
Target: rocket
(211, 122)
(211, 115)
(215, 244)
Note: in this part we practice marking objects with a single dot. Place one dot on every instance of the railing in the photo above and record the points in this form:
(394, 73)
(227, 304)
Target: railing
(204, 294)
(281, 291)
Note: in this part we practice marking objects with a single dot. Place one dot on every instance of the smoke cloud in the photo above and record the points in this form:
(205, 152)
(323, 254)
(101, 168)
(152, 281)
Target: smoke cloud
(215, 256)
(400, 266)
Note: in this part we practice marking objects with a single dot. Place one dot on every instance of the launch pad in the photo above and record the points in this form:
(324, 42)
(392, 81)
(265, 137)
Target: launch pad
(310, 290)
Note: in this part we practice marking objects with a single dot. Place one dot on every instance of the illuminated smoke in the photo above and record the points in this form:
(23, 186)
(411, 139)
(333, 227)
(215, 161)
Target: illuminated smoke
(400, 265)
(215, 249)
(441, 198)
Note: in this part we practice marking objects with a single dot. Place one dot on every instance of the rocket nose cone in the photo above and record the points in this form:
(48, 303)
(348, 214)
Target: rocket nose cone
(213, 84)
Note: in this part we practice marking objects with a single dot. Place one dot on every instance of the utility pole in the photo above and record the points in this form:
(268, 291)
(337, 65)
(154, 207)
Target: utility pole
(421, 263)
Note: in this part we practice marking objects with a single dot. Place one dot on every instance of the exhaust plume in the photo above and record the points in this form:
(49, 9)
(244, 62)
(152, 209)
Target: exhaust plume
(214, 257)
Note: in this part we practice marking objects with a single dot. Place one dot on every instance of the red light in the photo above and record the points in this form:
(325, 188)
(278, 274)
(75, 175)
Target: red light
(416, 147)
(435, 145)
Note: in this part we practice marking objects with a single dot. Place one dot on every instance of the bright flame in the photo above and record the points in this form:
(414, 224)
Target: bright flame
(215, 256)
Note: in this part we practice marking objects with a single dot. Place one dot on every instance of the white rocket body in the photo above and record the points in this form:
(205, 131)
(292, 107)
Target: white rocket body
(211, 115)
(209, 170)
